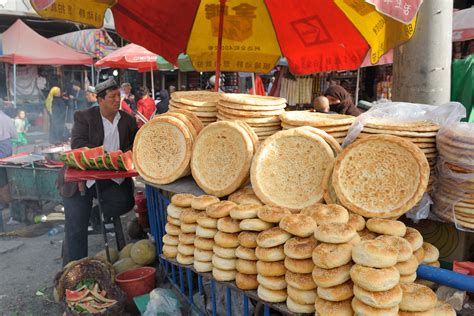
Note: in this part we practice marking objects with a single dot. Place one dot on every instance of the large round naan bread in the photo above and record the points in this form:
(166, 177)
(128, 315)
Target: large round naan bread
(289, 167)
(380, 176)
(162, 150)
(196, 98)
(249, 99)
(300, 118)
(221, 159)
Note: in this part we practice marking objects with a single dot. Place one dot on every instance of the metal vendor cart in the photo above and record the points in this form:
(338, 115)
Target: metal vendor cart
(183, 277)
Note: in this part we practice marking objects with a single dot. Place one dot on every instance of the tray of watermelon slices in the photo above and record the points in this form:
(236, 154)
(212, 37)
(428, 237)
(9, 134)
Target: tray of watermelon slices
(97, 164)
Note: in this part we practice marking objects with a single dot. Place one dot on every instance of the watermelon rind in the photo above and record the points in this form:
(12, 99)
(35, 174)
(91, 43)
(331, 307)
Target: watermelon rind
(101, 163)
(125, 161)
(87, 155)
(111, 160)
(93, 163)
(75, 160)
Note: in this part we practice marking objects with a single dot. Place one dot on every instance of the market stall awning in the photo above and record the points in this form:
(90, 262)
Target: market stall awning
(95, 43)
(248, 35)
(130, 56)
(22, 45)
(463, 25)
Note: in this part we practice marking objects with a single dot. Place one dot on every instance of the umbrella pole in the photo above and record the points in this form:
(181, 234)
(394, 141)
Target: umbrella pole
(14, 86)
(357, 87)
(152, 84)
(253, 84)
(92, 74)
(219, 45)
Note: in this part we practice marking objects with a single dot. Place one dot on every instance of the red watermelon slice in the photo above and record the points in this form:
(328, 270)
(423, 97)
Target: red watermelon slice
(125, 161)
(111, 160)
(64, 157)
(89, 154)
(74, 158)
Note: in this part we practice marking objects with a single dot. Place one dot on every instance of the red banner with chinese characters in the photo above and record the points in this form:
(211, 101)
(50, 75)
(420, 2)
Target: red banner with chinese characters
(401, 10)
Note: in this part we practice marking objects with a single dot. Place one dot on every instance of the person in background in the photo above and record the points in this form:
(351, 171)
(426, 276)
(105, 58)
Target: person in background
(128, 97)
(21, 126)
(79, 97)
(91, 98)
(341, 101)
(163, 105)
(146, 105)
(54, 94)
(7, 134)
(106, 126)
(321, 104)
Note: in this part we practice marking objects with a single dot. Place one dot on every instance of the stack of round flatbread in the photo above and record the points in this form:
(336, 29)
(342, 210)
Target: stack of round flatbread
(260, 112)
(201, 103)
(454, 195)
(163, 146)
(422, 134)
(380, 176)
(336, 125)
(222, 156)
(289, 167)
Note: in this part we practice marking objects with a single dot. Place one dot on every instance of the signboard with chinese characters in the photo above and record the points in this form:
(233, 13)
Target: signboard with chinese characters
(90, 12)
(380, 31)
(249, 42)
(403, 11)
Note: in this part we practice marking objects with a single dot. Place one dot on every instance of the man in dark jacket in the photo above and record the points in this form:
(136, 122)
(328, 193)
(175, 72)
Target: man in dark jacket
(106, 126)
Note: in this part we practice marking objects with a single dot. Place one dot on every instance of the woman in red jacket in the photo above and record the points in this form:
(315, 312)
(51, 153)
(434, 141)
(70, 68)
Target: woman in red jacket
(146, 104)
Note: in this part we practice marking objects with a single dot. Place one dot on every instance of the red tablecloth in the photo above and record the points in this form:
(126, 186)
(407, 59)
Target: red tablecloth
(73, 175)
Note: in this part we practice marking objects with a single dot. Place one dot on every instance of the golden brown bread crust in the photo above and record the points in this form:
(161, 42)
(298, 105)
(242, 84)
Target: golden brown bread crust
(187, 239)
(356, 221)
(431, 253)
(302, 296)
(272, 214)
(300, 281)
(272, 283)
(228, 253)
(182, 199)
(228, 225)
(335, 233)
(203, 255)
(270, 254)
(296, 307)
(328, 308)
(298, 224)
(246, 266)
(331, 277)
(205, 221)
(328, 256)
(327, 213)
(361, 308)
(188, 228)
(202, 266)
(273, 296)
(186, 250)
(378, 150)
(203, 243)
(203, 201)
(299, 247)
(414, 237)
(223, 263)
(223, 275)
(386, 227)
(374, 253)
(417, 298)
(272, 237)
(248, 239)
(189, 216)
(245, 211)
(381, 299)
(205, 232)
(299, 265)
(419, 254)
(255, 224)
(170, 251)
(337, 293)
(407, 267)
(220, 209)
(271, 269)
(373, 279)
(246, 281)
(226, 240)
(245, 253)
(402, 245)
(170, 240)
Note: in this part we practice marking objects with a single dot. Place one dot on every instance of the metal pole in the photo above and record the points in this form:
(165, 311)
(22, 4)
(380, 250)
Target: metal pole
(101, 215)
(14, 86)
(152, 84)
(422, 66)
(253, 83)
(357, 87)
(219, 45)
(92, 74)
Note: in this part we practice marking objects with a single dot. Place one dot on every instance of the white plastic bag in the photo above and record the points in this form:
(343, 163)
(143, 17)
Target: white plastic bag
(163, 302)
(401, 112)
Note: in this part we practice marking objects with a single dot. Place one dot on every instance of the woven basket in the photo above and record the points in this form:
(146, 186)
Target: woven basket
(91, 268)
